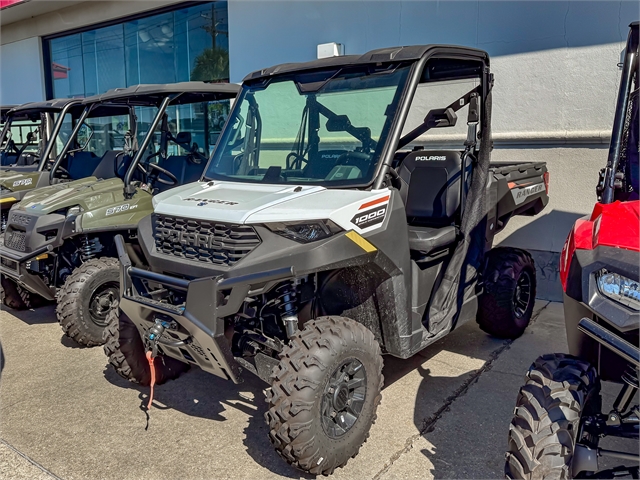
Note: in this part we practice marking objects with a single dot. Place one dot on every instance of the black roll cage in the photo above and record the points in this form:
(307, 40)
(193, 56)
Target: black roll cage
(417, 67)
(394, 140)
(630, 67)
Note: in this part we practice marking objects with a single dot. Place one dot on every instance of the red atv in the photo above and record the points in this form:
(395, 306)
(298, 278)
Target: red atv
(558, 420)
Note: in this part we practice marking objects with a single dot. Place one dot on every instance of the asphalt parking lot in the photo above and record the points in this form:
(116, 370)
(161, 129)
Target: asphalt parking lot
(64, 414)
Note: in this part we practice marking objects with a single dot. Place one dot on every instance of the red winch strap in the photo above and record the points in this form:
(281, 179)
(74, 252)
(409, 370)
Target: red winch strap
(153, 378)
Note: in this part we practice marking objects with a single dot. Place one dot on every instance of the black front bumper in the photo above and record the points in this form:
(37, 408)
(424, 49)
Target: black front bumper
(13, 264)
(39, 234)
(200, 334)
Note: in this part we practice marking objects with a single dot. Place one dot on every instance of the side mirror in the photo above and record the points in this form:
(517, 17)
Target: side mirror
(183, 138)
(440, 118)
(338, 123)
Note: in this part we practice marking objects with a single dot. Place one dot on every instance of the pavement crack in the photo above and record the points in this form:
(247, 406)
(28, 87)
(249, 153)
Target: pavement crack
(29, 459)
(429, 424)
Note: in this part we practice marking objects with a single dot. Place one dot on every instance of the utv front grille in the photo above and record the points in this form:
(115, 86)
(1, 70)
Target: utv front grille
(212, 242)
(16, 240)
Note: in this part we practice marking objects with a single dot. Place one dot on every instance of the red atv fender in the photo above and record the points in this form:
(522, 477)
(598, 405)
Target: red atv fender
(612, 225)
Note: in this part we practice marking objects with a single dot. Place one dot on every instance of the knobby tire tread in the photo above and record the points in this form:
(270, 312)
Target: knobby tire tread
(542, 434)
(290, 415)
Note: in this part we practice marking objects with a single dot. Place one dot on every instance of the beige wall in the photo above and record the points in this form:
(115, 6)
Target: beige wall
(76, 16)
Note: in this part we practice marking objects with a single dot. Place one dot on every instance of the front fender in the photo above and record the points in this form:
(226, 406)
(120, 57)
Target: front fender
(119, 215)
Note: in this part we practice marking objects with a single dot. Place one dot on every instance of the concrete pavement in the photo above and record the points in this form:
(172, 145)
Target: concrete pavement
(63, 412)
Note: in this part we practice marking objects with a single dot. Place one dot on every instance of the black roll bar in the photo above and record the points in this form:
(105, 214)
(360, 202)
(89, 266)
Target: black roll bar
(67, 145)
(622, 104)
(52, 137)
(128, 192)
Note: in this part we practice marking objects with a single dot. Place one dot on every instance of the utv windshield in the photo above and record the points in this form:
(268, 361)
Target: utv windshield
(23, 134)
(323, 128)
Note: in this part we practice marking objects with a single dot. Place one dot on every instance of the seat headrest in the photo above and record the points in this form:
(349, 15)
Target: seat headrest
(448, 159)
(183, 137)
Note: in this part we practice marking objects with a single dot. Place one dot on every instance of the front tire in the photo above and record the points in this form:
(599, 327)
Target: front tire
(324, 394)
(125, 350)
(14, 296)
(86, 298)
(506, 306)
(560, 389)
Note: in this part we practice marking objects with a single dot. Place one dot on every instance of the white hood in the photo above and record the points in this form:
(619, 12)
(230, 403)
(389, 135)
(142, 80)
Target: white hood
(249, 203)
(226, 201)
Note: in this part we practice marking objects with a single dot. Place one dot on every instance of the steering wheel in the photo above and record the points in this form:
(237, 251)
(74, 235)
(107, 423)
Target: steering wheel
(163, 171)
(297, 158)
(61, 169)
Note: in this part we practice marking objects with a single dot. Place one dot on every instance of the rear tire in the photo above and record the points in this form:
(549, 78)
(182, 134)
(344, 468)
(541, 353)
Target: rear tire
(506, 305)
(324, 394)
(125, 350)
(16, 297)
(86, 298)
(542, 435)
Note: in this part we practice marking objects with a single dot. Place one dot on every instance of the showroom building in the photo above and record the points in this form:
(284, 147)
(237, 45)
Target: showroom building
(555, 64)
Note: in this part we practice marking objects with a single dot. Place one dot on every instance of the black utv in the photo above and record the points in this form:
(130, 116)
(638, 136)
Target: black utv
(325, 232)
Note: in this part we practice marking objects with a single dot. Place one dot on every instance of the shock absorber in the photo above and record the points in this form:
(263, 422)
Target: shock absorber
(3, 221)
(89, 248)
(630, 378)
(288, 305)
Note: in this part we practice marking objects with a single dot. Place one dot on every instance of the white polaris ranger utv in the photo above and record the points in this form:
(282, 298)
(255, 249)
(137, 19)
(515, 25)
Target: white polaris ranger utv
(327, 231)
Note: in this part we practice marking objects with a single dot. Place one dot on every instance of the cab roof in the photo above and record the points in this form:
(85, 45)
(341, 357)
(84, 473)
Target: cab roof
(55, 105)
(153, 94)
(411, 53)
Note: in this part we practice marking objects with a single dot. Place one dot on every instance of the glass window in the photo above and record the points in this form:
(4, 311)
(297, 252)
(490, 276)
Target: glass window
(185, 44)
(324, 128)
(63, 135)
(108, 132)
(202, 121)
(24, 134)
(434, 95)
(67, 66)
(21, 129)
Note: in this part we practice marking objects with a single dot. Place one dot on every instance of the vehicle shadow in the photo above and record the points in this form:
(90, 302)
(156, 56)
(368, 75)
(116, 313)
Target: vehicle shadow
(70, 343)
(35, 316)
(200, 394)
(466, 430)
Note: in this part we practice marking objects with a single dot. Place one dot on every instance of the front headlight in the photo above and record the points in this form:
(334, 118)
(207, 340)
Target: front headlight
(74, 211)
(305, 232)
(620, 289)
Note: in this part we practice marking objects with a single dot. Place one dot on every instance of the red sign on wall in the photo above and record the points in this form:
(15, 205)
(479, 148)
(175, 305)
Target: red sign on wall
(59, 71)
(8, 3)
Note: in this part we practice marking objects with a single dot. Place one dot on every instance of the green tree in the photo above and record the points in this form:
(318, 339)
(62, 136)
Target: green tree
(211, 65)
